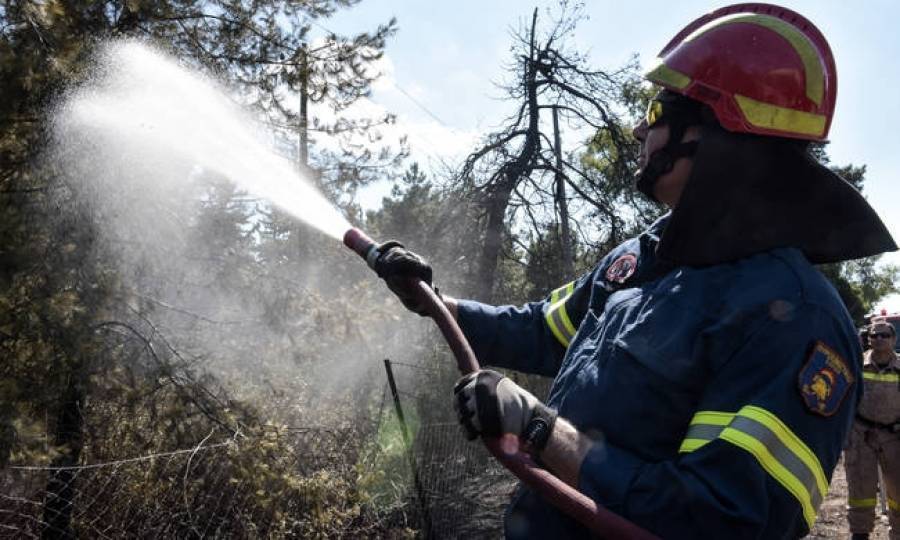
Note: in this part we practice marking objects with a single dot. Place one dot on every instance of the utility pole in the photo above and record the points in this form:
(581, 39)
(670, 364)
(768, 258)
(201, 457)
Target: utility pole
(561, 203)
(303, 153)
(298, 232)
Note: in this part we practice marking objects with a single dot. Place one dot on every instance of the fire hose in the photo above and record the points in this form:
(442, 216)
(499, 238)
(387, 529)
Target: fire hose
(569, 500)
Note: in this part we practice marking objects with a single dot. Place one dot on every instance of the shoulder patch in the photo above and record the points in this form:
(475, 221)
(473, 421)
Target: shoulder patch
(622, 268)
(824, 380)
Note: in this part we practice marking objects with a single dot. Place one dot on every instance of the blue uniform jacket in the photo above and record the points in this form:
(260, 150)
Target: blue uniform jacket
(719, 396)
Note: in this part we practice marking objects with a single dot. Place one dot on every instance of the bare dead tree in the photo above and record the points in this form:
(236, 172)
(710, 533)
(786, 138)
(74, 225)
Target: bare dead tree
(522, 166)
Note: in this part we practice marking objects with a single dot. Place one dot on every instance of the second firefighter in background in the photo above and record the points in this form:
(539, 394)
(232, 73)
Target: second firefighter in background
(875, 437)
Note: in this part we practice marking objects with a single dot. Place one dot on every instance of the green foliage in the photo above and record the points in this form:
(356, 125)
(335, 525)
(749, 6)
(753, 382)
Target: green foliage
(611, 167)
(544, 266)
(384, 473)
(438, 222)
(862, 283)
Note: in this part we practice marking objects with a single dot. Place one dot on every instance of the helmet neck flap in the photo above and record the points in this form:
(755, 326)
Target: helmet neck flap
(748, 194)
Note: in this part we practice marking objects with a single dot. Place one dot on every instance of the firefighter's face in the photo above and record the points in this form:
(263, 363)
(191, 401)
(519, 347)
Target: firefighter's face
(668, 188)
(882, 337)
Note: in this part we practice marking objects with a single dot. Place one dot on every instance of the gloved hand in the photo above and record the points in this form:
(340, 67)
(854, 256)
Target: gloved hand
(395, 265)
(488, 403)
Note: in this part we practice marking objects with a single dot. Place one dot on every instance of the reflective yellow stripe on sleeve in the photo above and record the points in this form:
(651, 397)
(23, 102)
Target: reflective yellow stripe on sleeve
(861, 503)
(557, 318)
(705, 426)
(777, 449)
(881, 377)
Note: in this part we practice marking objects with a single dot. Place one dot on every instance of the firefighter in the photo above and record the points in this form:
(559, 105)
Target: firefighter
(706, 373)
(875, 437)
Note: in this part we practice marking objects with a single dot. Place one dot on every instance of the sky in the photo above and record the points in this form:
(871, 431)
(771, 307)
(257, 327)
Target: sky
(440, 72)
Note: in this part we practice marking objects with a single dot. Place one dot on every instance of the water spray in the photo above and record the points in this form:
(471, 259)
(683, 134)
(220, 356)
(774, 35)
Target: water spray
(145, 111)
(561, 495)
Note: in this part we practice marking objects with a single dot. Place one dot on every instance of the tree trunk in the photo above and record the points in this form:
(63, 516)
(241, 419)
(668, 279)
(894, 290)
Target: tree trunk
(60, 492)
(497, 201)
(562, 206)
(508, 178)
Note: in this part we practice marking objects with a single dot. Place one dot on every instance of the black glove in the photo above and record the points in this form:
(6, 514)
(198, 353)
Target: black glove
(396, 265)
(895, 427)
(488, 403)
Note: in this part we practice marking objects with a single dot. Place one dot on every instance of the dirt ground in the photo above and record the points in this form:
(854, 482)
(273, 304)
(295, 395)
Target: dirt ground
(832, 519)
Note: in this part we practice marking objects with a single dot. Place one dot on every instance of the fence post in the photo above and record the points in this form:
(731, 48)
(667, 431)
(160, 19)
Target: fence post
(417, 483)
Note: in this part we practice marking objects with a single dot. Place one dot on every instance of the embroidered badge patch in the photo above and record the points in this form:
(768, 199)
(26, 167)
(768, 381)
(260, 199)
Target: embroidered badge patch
(824, 380)
(622, 268)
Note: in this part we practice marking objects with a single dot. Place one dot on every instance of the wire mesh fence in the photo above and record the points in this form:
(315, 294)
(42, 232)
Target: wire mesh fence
(462, 487)
(298, 482)
(100, 500)
(210, 491)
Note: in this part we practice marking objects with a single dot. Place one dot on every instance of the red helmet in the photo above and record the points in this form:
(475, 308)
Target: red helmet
(761, 68)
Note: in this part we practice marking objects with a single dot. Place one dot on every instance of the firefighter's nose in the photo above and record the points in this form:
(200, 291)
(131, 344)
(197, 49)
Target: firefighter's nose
(640, 130)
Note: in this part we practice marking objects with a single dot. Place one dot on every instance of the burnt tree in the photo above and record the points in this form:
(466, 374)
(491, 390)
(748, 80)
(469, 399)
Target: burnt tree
(521, 174)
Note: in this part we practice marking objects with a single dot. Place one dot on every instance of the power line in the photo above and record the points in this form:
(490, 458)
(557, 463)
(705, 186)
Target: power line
(397, 86)
(421, 106)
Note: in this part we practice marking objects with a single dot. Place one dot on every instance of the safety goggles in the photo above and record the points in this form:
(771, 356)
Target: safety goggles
(654, 112)
(881, 335)
(667, 107)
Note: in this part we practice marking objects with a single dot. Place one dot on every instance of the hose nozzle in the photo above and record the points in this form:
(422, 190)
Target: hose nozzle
(364, 246)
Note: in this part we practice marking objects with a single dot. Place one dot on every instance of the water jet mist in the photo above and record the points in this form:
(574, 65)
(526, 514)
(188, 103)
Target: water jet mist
(172, 184)
(145, 104)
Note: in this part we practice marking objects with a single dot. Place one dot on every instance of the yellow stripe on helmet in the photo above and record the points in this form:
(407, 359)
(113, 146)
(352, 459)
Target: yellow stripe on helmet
(767, 116)
(662, 74)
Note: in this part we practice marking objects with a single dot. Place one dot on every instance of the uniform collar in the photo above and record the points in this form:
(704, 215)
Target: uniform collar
(869, 363)
(650, 237)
